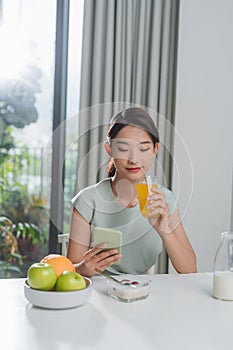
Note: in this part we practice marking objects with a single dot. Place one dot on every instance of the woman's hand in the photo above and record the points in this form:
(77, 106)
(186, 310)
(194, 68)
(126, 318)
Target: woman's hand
(97, 258)
(159, 216)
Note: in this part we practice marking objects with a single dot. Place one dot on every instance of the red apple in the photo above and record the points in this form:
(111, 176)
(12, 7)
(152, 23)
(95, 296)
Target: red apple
(69, 281)
(41, 276)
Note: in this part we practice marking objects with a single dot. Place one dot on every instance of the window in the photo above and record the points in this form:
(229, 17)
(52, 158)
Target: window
(27, 73)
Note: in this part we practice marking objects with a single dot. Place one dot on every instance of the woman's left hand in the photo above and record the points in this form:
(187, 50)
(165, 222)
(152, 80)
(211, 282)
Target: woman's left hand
(158, 211)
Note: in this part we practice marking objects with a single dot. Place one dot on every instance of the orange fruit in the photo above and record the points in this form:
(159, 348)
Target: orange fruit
(59, 262)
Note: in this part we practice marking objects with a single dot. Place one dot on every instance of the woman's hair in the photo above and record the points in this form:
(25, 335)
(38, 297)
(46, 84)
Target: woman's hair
(132, 116)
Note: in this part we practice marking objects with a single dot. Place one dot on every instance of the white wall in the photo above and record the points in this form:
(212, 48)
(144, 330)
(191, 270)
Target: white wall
(204, 119)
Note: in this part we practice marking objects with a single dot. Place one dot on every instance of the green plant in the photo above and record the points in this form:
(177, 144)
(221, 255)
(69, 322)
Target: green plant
(27, 212)
(23, 223)
(17, 107)
(15, 201)
(20, 206)
(10, 258)
(18, 102)
(13, 238)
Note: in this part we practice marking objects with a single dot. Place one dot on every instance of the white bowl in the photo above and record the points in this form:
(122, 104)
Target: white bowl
(58, 300)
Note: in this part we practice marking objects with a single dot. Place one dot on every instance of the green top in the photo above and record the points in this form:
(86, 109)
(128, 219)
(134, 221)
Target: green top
(141, 244)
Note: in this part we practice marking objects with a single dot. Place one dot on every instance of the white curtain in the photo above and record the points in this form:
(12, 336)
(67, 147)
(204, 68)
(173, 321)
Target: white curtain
(128, 58)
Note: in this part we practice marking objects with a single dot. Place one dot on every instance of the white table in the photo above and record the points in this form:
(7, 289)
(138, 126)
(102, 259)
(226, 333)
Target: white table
(180, 313)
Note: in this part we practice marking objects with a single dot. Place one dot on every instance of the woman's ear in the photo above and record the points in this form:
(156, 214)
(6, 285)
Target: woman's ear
(156, 149)
(108, 148)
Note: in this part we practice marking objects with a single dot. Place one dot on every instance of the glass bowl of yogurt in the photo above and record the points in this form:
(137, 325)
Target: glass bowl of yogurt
(129, 289)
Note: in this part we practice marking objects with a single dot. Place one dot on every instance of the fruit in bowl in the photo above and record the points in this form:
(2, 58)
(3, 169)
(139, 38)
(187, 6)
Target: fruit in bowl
(41, 276)
(54, 283)
(59, 262)
(69, 281)
(57, 299)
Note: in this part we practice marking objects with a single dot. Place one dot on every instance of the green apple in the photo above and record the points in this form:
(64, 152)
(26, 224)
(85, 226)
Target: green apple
(69, 281)
(41, 276)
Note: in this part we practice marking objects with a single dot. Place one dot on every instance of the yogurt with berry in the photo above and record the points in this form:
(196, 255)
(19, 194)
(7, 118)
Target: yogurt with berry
(129, 290)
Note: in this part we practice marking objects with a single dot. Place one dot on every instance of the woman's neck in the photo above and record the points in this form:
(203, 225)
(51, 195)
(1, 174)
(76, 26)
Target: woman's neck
(125, 192)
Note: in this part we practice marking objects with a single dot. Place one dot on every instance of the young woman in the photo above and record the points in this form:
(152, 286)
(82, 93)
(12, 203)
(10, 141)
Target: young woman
(132, 144)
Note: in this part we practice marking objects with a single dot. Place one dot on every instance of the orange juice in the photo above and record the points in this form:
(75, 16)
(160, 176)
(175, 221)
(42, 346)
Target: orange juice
(142, 189)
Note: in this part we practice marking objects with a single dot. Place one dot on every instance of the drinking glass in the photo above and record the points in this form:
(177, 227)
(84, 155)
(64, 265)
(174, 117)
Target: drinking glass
(144, 188)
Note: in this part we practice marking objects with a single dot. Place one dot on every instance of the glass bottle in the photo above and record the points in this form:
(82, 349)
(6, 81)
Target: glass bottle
(223, 268)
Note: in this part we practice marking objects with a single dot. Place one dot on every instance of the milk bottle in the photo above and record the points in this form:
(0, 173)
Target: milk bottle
(223, 268)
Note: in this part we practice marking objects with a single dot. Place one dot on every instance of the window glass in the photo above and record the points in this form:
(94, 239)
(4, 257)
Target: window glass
(27, 65)
(27, 37)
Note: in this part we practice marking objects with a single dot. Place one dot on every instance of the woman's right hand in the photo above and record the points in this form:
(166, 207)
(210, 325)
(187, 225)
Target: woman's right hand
(97, 258)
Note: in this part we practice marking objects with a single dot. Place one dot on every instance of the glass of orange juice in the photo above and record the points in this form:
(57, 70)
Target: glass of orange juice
(144, 187)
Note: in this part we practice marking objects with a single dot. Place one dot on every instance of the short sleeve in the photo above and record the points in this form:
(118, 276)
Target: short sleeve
(171, 200)
(83, 203)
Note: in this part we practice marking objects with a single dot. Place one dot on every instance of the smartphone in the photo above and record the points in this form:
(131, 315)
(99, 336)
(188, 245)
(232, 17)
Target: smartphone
(107, 235)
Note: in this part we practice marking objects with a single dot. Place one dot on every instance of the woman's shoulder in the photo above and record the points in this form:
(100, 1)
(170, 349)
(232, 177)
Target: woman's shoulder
(92, 190)
(102, 185)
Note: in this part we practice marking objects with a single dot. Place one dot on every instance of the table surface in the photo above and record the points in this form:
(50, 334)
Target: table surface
(180, 313)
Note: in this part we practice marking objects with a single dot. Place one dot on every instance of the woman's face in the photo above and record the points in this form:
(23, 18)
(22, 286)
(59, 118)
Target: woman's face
(133, 152)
